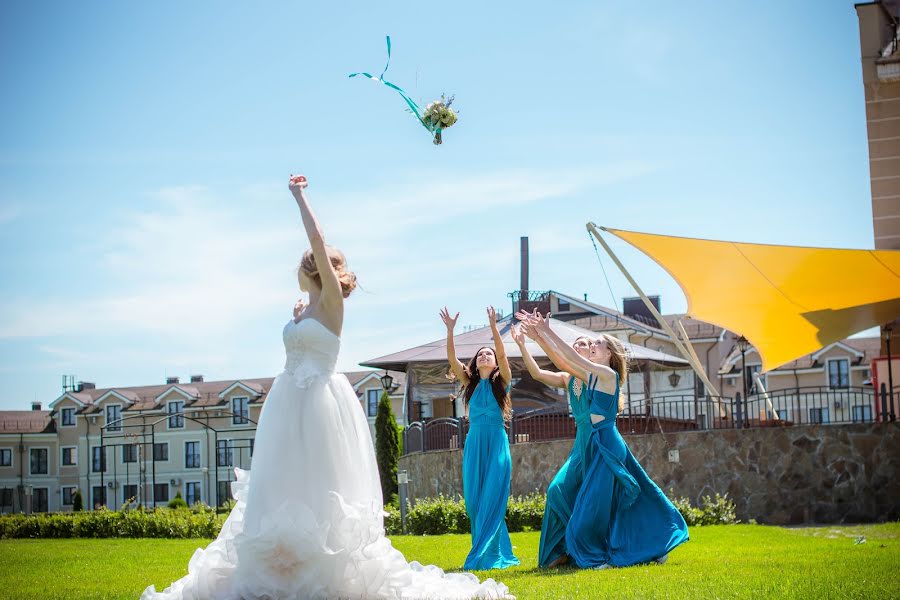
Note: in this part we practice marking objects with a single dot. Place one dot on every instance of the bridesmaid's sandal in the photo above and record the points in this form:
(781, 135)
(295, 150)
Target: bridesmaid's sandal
(564, 559)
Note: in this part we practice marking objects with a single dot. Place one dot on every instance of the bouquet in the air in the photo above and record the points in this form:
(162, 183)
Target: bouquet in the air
(439, 116)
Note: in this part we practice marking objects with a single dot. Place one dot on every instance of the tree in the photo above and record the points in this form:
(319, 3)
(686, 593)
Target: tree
(177, 501)
(77, 502)
(387, 447)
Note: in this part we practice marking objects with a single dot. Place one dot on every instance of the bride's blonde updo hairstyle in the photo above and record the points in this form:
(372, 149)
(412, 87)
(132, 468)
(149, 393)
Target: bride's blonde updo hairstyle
(338, 262)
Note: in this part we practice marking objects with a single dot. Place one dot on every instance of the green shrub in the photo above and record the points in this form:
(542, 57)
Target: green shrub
(525, 513)
(177, 501)
(718, 511)
(714, 511)
(159, 523)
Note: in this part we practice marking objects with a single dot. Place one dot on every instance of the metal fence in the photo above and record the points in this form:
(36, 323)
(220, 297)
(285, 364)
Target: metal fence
(671, 413)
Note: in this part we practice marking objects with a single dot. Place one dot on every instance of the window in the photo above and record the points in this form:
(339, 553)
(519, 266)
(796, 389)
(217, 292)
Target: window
(129, 453)
(6, 498)
(192, 492)
(5, 457)
(818, 415)
(40, 500)
(176, 420)
(224, 492)
(862, 413)
(564, 306)
(240, 410)
(838, 373)
(98, 459)
(161, 492)
(191, 455)
(68, 495)
(129, 492)
(68, 417)
(372, 397)
(113, 414)
(161, 451)
(224, 453)
(69, 456)
(39, 461)
(701, 389)
(99, 496)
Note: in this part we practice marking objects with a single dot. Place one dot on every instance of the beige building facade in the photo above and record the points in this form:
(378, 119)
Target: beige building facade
(142, 444)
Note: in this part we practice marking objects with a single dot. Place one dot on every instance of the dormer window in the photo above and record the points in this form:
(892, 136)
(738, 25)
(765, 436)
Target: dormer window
(113, 416)
(176, 416)
(839, 373)
(67, 417)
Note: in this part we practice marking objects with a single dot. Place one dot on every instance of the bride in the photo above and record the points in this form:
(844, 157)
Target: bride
(307, 523)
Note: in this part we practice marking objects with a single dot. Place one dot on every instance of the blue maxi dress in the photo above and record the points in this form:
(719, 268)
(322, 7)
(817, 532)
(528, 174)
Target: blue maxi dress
(621, 517)
(563, 490)
(487, 469)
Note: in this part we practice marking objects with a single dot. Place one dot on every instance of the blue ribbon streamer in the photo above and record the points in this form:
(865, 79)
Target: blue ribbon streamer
(435, 131)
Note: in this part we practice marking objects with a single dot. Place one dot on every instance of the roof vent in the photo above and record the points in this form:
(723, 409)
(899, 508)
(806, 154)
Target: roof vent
(196, 378)
(171, 380)
(35, 406)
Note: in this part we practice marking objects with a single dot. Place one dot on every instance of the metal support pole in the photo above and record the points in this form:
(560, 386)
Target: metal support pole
(403, 487)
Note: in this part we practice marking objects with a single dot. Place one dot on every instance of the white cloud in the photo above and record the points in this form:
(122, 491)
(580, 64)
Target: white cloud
(203, 265)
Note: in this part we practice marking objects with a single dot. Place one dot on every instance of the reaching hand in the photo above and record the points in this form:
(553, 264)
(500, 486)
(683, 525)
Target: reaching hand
(517, 335)
(529, 330)
(298, 309)
(297, 183)
(445, 317)
(525, 316)
(492, 315)
(540, 322)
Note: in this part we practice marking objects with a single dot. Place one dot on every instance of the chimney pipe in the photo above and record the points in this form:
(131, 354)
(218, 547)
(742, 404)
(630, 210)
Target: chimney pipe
(523, 285)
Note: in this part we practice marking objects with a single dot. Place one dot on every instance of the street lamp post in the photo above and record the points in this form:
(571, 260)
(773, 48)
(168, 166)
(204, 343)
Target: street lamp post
(887, 340)
(743, 345)
(387, 381)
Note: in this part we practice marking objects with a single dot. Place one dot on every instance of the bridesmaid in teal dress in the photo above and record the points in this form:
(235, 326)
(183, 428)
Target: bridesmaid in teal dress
(563, 489)
(621, 517)
(487, 465)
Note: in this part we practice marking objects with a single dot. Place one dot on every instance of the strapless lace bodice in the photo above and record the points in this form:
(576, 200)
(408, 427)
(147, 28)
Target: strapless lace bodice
(311, 351)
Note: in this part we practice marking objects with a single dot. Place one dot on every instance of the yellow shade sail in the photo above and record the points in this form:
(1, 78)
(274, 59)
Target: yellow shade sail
(787, 300)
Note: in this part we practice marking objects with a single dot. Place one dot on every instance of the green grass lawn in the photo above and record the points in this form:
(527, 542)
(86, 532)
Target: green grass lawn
(730, 561)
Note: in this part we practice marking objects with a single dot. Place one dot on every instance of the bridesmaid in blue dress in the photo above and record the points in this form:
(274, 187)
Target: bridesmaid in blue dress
(563, 489)
(620, 517)
(487, 465)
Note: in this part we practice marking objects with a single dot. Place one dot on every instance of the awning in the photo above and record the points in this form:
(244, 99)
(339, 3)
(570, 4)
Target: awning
(787, 300)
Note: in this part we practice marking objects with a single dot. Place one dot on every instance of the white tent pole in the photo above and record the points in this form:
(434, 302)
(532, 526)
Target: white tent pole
(759, 382)
(698, 368)
(690, 347)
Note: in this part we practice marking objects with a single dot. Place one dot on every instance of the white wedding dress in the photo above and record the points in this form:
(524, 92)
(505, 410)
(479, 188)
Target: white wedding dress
(308, 522)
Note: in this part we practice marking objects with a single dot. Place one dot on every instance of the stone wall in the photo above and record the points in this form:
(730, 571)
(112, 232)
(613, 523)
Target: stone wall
(790, 475)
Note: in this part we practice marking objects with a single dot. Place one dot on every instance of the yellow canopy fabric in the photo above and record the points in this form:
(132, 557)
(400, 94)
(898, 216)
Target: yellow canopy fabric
(787, 300)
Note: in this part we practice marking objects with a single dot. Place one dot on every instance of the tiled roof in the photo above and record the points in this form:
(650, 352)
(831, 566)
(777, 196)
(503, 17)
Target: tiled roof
(468, 343)
(869, 346)
(26, 421)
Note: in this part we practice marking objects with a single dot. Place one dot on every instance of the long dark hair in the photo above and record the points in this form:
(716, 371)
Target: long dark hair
(498, 386)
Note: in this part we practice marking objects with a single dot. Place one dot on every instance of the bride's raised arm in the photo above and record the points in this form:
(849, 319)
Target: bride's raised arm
(331, 285)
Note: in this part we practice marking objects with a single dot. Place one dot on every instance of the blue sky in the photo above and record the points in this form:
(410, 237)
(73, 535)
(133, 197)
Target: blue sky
(145, 225)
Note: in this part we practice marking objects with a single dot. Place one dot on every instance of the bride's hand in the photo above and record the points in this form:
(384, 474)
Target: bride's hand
(297, 183)
(298, 309)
